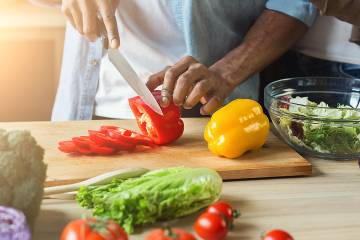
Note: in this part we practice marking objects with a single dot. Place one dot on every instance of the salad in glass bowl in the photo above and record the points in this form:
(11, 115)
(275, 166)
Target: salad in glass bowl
(317, 116)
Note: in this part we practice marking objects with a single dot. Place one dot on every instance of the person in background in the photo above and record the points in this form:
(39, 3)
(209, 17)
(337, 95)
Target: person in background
(213, 50)
(330, 48)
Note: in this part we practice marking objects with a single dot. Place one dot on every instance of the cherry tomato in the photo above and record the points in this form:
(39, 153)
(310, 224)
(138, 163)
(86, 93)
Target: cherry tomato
(223, 209)
(169, 234)
(211, 226)
(277, 235)
(93, 229)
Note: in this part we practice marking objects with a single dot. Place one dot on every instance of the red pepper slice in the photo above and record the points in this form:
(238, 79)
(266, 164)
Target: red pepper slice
(67, 147)
(86, 146)
(104, 129)
(71, 147)
(161, 129)
(104, 140)
(126, 135)
(101, 150)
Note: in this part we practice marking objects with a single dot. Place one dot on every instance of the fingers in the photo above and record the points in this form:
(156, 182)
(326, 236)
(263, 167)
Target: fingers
(76, 17)
(170, 79)
(156, 79)
(107, 12)
(197, 94)
(187, 81)
(212, 105)
(83, 15)
(67, 12)
(89, 18)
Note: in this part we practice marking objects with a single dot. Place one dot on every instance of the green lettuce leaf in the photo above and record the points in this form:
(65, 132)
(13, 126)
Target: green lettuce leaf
(329, 137)
(157, 195)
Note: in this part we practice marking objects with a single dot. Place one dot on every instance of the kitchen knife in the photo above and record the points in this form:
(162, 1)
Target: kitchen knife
(128, 73)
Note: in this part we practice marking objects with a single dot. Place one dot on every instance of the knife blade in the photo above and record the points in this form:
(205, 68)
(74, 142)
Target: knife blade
(128, 73)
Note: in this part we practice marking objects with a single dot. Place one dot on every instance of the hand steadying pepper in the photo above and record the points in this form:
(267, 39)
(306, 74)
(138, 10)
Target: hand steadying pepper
(190, 82)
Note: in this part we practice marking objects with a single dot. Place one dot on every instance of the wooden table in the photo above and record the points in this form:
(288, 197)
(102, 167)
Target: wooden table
(325, 206)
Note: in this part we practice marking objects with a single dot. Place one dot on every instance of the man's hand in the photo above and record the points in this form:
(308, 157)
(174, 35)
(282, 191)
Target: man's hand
(190, 82)
(87, 15)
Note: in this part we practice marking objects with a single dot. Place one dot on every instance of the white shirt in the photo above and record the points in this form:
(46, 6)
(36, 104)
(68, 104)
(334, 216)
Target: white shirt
(151, 40)
(328, 39)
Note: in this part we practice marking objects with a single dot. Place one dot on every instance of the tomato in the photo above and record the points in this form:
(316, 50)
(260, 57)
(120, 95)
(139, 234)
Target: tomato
(211, 226)
(169, 234)
(161, 129)
(93, 229)
(225, 210)
(277, 235)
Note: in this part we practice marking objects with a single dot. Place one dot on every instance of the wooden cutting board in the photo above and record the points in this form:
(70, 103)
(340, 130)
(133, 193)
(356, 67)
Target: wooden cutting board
(275, 159)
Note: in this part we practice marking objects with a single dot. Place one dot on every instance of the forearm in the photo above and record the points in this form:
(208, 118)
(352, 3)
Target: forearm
(271, 35)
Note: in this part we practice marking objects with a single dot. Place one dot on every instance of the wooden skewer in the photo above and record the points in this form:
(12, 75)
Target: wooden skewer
(98, 180)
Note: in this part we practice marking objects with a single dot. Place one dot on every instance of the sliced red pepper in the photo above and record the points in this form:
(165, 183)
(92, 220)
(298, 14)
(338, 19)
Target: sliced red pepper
(110, 139)
(103, 139)
(126, 135)
(67, 147)
(161, 129)
(86, 146)
(71, 147)
(101, 150)
(104, 129)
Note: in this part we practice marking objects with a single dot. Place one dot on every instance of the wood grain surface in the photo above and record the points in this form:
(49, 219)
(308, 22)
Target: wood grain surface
(324, 206)
(275, 159)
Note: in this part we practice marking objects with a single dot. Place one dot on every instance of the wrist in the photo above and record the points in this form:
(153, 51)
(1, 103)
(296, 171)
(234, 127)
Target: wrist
(226, 74)
(235, 67)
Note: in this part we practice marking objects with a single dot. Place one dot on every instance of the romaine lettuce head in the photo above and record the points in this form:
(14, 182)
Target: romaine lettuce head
(157, 195)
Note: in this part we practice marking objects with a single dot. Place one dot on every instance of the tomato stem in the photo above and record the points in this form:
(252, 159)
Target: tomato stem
(169, 233)
(236, 213)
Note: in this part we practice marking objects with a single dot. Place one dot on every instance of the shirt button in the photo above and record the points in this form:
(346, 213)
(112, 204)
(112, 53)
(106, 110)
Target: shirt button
(94, 62)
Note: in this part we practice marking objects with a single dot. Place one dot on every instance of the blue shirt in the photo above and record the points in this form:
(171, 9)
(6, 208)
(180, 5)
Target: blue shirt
(211, 29)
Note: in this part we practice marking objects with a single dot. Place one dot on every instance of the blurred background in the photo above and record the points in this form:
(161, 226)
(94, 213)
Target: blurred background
(31, 44)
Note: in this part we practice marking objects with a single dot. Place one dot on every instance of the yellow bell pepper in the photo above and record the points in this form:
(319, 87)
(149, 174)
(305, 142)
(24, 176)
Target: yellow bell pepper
(236, 128)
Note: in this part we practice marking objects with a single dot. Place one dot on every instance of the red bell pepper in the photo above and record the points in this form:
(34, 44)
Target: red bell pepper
(161, 129)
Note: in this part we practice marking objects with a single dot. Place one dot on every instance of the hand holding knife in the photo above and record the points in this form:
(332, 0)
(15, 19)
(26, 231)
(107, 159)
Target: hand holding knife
(129, 74)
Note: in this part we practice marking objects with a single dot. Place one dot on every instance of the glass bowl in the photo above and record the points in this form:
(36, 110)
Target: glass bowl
(298, 111)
